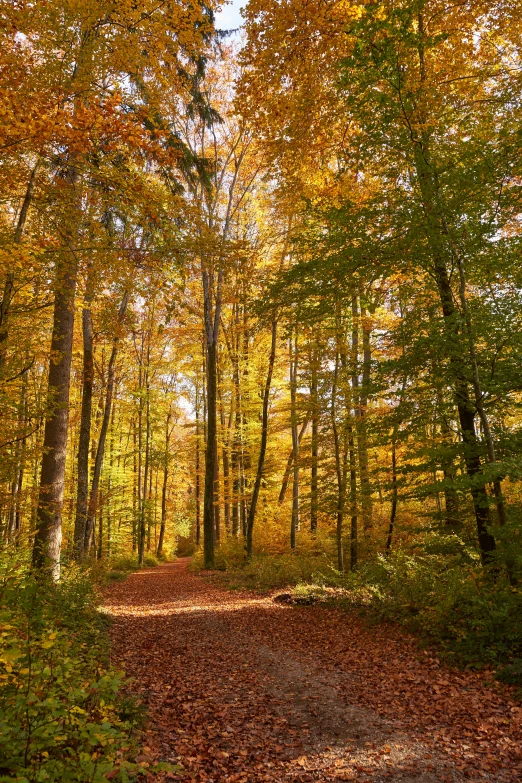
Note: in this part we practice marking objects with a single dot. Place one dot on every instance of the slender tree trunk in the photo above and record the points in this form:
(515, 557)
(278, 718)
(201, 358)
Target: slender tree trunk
(141, 524)
(135, 502)
(146, 467)
(362, 430)
(13, 524)
(245, 445)
(225, 447)
(314, 485)
(99, 512)
(290, 461)
(354, 522)
(9, 283)
(159, 551)
(264, 438)
(236, 448)
(210, 456)
(466, 412)
(217, 495)
(85, 432)
(341, 482)
(477, 387)
(295, 441)
(150, 498)
(394, 499)
(198, 476)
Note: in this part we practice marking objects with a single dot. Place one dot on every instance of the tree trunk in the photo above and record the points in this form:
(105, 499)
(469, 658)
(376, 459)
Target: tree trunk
(471, 447)
(295, 442)
(85, 433)
(262, 448)
(135, 503)
(9, 283)
(198, 476)
(314, 485)
(146, 467)
(48, 539)
(159, 551)
(13, 524)
(339, 471)
(362, 434)
(225, 448)
(212, 317)
(394, 499)
(236, 446)
(290, 461)
(210, 457)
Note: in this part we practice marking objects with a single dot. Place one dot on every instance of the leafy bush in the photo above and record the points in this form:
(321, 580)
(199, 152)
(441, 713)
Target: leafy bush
(475, 618)
(62, 708)
(124, 563)
(263, 571)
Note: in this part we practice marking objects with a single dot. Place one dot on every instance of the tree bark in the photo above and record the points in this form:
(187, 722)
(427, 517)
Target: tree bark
(198, 476)
(85, 432)
(314, 485)
(210, 457)
(394, 499)
(159, 550)
(294, 527)
(9, 283)
(339, 469)
(48, 539)
(362, 433)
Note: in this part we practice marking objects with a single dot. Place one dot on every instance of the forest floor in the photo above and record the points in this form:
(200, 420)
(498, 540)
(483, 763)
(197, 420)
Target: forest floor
(240, 689)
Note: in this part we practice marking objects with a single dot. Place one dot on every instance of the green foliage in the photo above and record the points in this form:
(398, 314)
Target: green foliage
(118, 568)
(475, 617)
(264, 571)
(125, 563)
(63, 716)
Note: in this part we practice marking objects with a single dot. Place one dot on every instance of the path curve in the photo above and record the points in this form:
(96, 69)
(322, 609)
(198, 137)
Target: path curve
(240, 689)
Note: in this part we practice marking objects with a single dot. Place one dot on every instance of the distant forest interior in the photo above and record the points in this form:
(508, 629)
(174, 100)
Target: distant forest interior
(260, 306)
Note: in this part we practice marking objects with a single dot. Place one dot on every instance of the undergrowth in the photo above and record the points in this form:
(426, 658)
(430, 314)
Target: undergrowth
(64, 712)
(118, 568)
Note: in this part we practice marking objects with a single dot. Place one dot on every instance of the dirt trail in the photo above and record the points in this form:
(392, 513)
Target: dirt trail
(242, 690)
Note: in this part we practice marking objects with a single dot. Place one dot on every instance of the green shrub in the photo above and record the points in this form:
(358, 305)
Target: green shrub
(150, 561)
(63, 713)
(124, 563)
(263, 571)
(473, 616)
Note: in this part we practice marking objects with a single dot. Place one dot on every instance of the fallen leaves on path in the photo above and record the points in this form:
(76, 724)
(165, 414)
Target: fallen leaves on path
(245, 690)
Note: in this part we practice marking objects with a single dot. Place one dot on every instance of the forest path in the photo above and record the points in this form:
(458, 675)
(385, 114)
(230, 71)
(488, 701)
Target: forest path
(242, 690)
